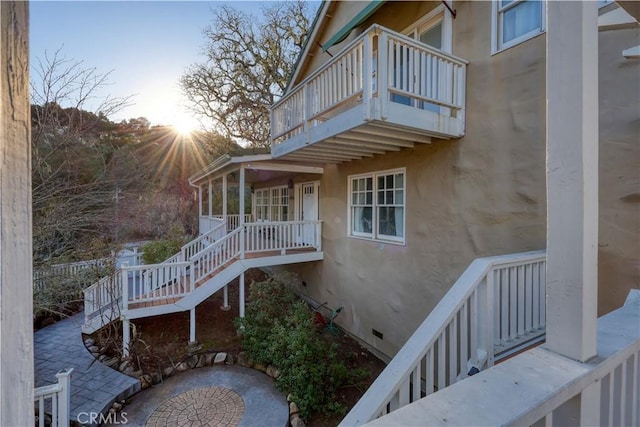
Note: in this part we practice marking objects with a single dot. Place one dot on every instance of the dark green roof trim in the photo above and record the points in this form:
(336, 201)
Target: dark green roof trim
(357, 20)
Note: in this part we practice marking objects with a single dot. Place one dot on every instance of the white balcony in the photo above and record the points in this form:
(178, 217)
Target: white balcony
(383, 92)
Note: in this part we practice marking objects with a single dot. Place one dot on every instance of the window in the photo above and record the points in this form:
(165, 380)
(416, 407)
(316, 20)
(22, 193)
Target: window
(279, 204)
(262, 204)
(515, 21)
(376, 205)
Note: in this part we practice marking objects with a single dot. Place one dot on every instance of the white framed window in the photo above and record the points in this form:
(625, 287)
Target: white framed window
(262, 204)
(377, 206)
(279, 204)
(515, 21)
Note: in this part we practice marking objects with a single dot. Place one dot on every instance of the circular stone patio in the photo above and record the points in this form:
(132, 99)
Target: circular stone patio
(212, 396)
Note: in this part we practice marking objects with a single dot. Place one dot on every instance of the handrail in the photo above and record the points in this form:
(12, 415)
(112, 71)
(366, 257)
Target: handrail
(218, 254)
(188, 250)
(469, 302)
(60, 395)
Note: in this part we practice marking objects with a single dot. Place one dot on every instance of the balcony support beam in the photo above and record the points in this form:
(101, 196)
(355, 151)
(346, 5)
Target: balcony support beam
(572, 178)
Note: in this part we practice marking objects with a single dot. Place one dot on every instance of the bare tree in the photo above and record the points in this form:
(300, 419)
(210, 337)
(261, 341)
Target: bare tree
(72, 193)
(248, 62)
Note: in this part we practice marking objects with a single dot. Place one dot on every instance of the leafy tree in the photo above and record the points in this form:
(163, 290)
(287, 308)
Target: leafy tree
(248, 62)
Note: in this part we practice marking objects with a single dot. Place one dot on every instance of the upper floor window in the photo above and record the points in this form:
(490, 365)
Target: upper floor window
(376, 206)
(515, 21)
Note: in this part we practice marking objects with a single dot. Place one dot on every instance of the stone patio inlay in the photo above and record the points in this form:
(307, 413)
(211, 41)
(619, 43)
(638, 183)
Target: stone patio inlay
(206, 406)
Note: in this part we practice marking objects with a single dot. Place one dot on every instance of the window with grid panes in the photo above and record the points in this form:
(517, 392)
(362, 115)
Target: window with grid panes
(279, 204)
(262, 204)
(376, 205)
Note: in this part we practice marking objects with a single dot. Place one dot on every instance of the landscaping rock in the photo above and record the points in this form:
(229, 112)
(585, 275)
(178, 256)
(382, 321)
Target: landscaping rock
(131, 371)
(124, 365)
(168, 372)
(194, 347)
(220, 359)
(89, 342)
(244, 360)
(293, 408)
(182, 367)
(192, 361)
(273, 372)
(260, 367)
(102, 357)
(145, 381)
(208, 359)
(156, 378)
(117, 406)
(229, 359)
(289, 396)
(112, 363)
(296, 421)
(202, 359)
(93, 349)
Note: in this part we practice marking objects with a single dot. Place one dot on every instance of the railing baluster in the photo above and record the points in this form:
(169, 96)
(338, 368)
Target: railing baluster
(521, 299)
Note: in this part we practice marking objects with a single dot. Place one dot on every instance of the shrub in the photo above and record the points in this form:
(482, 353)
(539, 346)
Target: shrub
(157, 251)
(278, 329)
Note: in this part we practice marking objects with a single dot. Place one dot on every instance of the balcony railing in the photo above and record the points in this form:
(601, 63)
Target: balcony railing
(381, 69)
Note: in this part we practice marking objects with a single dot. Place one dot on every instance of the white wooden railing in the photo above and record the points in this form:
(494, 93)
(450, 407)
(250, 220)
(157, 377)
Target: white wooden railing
(208, 223)
(103, 294)
(381, 65)
(540, 387)
(156, 281)
(233, 220)
(496, 300)
(282, 236)
(202, 241)
(178, 275)
(68, 269)
(55, 398)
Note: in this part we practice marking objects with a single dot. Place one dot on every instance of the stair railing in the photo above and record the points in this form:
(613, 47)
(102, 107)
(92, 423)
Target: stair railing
(495, 300)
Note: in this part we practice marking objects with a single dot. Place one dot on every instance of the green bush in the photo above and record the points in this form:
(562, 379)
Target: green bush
(157, 251)
(278, 329)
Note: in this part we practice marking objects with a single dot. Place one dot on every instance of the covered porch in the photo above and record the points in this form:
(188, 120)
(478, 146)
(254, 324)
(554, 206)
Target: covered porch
(249, 186)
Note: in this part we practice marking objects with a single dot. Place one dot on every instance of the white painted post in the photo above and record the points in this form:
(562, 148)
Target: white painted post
(64, 397)
(241, 216)
(224, 200)
(192, 326)
(126, 336)
(367, 73)
(383, 73)
(16, 327)
(225, 299)
(210, 198)
(572, 178)
(241, 292)
(200, 201)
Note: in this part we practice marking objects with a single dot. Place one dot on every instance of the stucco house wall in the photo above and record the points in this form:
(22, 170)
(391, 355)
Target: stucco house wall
(481, 195)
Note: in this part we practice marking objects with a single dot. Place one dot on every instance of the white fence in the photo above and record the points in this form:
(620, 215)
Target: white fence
(56, 399)
(496, 300)
(233, 220)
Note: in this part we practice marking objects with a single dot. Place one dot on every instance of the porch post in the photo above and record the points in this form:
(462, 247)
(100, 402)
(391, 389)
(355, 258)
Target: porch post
(16, 301)
(225, 298)
(241, 292)
(241, 213)
(572, 178)
(224, 198)
(192, 326)
(199, 200)
(210, 198)
(126, 336)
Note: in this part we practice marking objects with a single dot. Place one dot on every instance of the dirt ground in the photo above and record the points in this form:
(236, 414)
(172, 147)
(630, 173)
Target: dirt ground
(163, 342)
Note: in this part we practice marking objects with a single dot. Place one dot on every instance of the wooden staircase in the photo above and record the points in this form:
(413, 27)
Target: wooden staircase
(203, 267)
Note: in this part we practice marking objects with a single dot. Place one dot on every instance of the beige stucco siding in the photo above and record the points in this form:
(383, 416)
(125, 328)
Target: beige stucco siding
(619, 225)
(481, 195)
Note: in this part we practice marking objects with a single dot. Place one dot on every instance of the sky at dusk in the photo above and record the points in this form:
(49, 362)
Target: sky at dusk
(147, 44)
